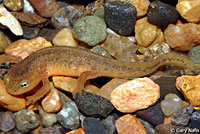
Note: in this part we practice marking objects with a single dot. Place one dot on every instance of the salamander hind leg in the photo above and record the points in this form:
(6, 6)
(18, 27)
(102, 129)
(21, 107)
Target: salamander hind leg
(82, 80)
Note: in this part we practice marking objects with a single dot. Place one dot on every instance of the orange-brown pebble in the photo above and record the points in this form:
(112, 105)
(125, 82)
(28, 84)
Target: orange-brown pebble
(141, 6)
(135, 95)
(12, 103)
(189, 86)
(64, 38)
(22, 48)
(77, 131)
(147, 34)
(182, 37)
(52, 102)
(129, 124)
(106, 90)
(167, 120)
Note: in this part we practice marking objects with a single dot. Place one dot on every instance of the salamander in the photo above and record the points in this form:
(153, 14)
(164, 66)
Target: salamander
(77, 62)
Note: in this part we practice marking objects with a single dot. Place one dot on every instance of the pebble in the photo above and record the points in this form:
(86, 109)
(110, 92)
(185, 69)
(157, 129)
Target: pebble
(109, 124)
(91, 104)
(153, 114)
(7, 122)
(26, 120)
(189, 86)
(14, 5)
(161, 14)
(47, 119)
(90, 30)
(48, 33)
(189, 10)
(128, 124)
(22, 47)
(107, 89)
(29, 32)
(65, 17)
(52, 102)
(120, 17)
(50, 130)
(7, 19)
(12, 103)
(194, 54)
(135, 95)
(182, 37)
(141, 6)
(46, 8)
(27, 7)
(101, 51)
(147, 34)
(93, 126)
(64, 98)
(100, 12)
(77, 131)
(92, 7)
(120, 47)
(148, 127)
(182, 117)
(171, 104)
(65, 38)
(4, 41)
(69, 116)
(195, 119)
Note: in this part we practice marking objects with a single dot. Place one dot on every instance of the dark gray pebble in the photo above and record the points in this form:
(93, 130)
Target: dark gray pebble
(48, 33)
(195, 120)
(194, 54)
(161, 14)
(109, 124)
(7, 121)
(120, 17)
(92, 104)
(29, 32)
(152, 114)
(93, 126)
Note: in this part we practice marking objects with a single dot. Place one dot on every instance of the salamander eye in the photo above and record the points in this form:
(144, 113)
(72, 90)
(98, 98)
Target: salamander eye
(24, 83)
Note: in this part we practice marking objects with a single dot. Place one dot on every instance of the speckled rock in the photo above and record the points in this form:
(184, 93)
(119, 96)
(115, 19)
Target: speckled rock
(91, 104)
(152, 114)
(109, 124)
(48, 33)
(101, 51)
(135, 95)
(195, 119)
(65, 17)
(26, 120)
(189, 10)
(7, 122)
(147, 34)
(120, 17)
(50, 130)
(149, 128)
(93, 126)
(90, 30)
(128, 124)
(30, 33)
(65, 38)
(4, 42)
(182, 117)
(69, 116)
(161, 14)
(182, 37)
(171, 104)
(14, 5)
(194, 54)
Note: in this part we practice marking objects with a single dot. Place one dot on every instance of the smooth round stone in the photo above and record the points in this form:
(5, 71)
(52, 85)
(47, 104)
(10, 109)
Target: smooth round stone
(69, 116)
(109, 124)
(100, 12)
(90, 30)
(14, 5)
(194, 54)
(171, 104)
(50, 130)
(161, 14)
(92, 104)
(182, 117)
(27, 7)
(120, 17)
(195, 119)
(26, 120)
(7, 122)
(65, 17)
(48, 33)
(93, 126)
(30, 33)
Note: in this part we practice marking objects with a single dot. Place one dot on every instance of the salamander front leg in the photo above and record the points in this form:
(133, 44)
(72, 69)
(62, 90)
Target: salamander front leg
(82, 80)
